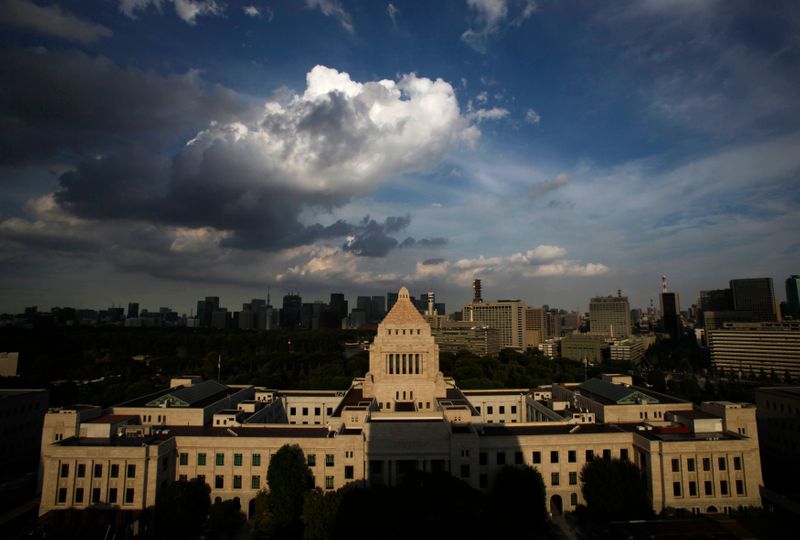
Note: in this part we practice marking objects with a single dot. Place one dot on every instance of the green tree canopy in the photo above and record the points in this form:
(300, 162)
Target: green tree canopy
(182, 508)
(288, 479)
(517, 491)
(615, 490)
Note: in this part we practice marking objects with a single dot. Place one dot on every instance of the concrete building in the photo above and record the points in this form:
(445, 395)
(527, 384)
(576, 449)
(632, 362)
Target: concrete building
(402, 416)
(455, 336)
(779, 437)
(627, 350)
(793, 296)
(671, 314)
(590, 347)
(9, 362)
(508, 316)
(21, 417)
(610, 316)
(551, 348)
(750, 350)
(755, 295)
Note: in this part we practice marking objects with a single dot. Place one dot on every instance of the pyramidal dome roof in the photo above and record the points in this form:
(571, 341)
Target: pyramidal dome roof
(404, 311)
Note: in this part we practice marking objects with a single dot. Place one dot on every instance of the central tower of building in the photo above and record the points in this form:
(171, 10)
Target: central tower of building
(404, 361)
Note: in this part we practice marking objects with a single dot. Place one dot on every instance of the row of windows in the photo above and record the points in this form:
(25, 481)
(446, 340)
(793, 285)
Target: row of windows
(555, 456)
(95, 496)
(708, 488)
(80, 470)
(304, 411)
(398, 332)
(238, 460)
(403, 364)
(255, 480)
(722, 464)
(501, 409)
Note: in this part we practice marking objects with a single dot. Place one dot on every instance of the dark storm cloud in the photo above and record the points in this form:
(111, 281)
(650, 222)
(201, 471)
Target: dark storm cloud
(51, 20)
(424, 242)
(432, 262)
(58, 101)
(371, 239)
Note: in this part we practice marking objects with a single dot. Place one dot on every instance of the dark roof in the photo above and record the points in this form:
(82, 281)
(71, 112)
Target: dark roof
(114, 441)
(113, 419)
(497, 392)
(512, 430)
(615, 393)
(351, 431)
(461, 429)
(303, 432)
(694, 414)
(457, 397)
(405, 406)
(310, 393)
(197, 398)
(352, 398)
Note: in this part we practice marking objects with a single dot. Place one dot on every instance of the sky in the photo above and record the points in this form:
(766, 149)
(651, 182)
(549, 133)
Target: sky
(160, 151)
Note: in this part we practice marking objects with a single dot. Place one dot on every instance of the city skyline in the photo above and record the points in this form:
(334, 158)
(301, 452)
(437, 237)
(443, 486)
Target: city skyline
(156, 152)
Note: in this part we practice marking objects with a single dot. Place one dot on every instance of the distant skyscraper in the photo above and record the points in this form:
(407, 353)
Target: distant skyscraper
(290, 312)
(391, 298)
(671, 314)
(133, 310)
(206, 308)
(755, 295)
(793, 295)
(377, 309)
(338, 306)
(476, 292)
(508, 316)
(610, 315)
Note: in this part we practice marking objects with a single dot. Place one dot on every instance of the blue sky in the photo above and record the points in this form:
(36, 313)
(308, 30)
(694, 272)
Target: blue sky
(160, 151)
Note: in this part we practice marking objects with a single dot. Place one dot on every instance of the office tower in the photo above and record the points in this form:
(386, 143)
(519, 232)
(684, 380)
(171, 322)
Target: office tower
(205, 309)
(338, 307)
(440, 308)
(716, 300)
(508, 316)
(757, 349)
(793, 296)
(535, 327)
(133, 310)
(671, 314)
(755, 295)
(610, 315)
(290, 312)
(377, 309)
(221, 319)
(363, 303)
(476, 292)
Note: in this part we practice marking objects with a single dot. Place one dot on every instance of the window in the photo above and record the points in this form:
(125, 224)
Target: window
(573, 478)
(607, 453)
(64, 470)
(690, 464)
(183, 478)
(623, 454)
(62, 495)
(202, 478)
(676, 489)
(165, 464)
(722, 463)
(98, 470)
(537, 457)
(201, 458)
(465, 470)
(554, 479)
(513, 409)
(183, 458)
(483, 481)
(316, 411)
(737, 463)
(589, 455)
(572, 456)
(114, 472)
(305, 411)
(129, 495)
(501, 458)
(112, 495)
(554, 456)
(78, 495)
(220, 459)
(723, 487)
(692, 489)
(348, 472)
(219, 481)
(740, 487)
(676, 465)
(329, 411)
(489, 410)
(329, 482)
(292, 411)
(237, 481)
(95, 495)
(81, 470)
(256, 460)
(311, 460)
(708, 488)
(482, 459)
(706, 464)
(255, 482)
(478, 409)
(131, 471)
(237, 460)
(518, 460)
(502, 409)
(329, 460)
(573, 499)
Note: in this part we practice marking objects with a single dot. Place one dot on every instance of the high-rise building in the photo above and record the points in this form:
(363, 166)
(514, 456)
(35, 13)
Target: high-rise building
(610, 316)
(535, 327)
(755, 295)
(391, 298)
(133, 310)
(338, 306)
(671, 314)
(755, 350)
(377, 309)
(508, 316)
(290, 312)
(793, 296)
(205, 310)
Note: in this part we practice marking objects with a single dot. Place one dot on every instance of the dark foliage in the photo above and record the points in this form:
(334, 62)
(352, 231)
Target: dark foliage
(182, 508)
(518, 491)
(288, 479)
(225, 518)
(615, 490)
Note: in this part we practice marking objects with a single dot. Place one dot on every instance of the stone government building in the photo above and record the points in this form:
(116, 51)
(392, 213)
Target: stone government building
(403, 415)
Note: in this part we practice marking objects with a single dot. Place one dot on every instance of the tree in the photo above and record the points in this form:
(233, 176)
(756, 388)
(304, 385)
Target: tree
(225, 518)
(182, 508)
(614, 490)
(517, 491)
(319, 514)
(288, 479)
